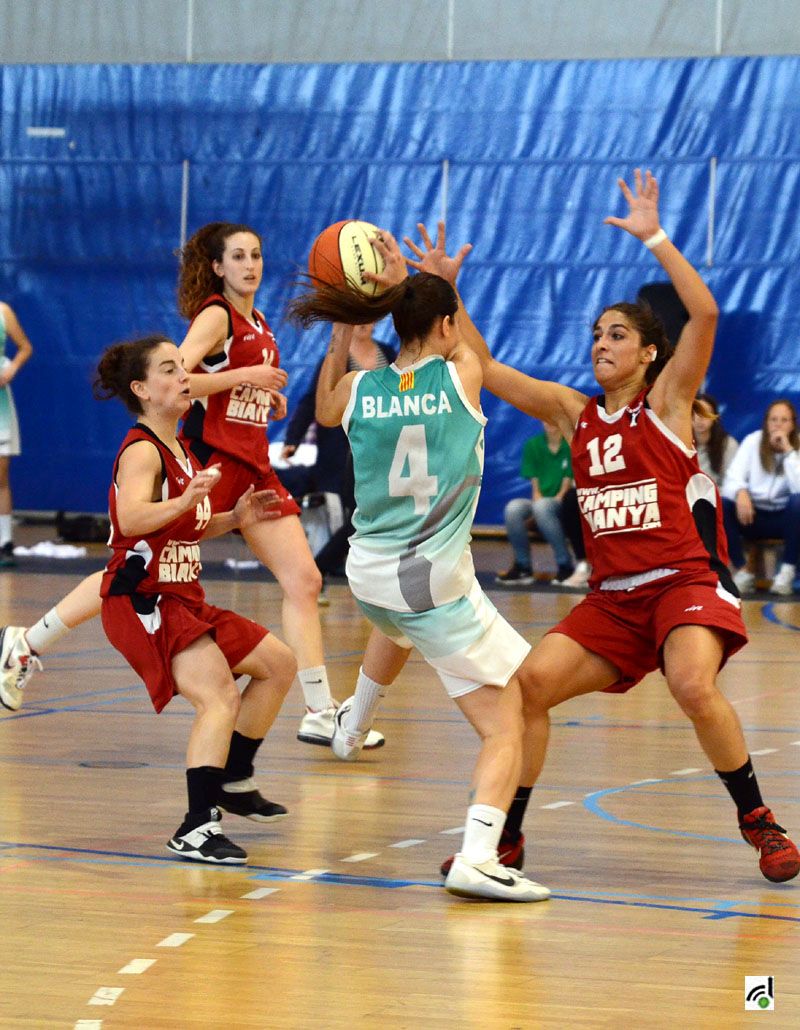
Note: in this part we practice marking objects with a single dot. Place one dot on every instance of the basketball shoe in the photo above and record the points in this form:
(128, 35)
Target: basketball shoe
(242, 797)
(779, 858)
(319, 727)
(517, 575)
(346, 744)
(17, 664)
(510, 852)
(200, 838)
(491, 880)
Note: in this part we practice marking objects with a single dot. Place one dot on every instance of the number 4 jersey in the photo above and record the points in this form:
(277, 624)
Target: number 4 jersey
(646, 505)
(417, 446)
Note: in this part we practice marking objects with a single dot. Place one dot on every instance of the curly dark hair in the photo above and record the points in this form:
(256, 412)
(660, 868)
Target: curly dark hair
(196, 279)
(122, 364)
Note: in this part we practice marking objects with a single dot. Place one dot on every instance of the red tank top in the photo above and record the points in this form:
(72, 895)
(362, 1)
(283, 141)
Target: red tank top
(234, 421)
(166, 561)
(645, 503)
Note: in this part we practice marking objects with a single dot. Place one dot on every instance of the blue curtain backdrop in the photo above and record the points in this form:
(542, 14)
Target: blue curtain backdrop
(523, 155)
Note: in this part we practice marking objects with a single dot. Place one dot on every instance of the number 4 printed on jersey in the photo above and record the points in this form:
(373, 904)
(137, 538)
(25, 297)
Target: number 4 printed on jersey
(612, 460)
(408, 475)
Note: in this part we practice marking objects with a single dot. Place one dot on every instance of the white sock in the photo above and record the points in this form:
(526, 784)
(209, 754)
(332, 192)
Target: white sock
(366, 702)
(316, 689)
(482, 833)
(5, 529)
(43, 634)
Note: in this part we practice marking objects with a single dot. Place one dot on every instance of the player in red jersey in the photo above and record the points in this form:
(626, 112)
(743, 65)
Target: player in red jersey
(154, 610)
(221, 271)
(661, 595)
(232, 355)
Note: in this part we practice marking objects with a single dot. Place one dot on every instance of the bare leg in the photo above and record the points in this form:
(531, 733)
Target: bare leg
(692, 657)
(495, 714)
(204, 679)
(272, 667)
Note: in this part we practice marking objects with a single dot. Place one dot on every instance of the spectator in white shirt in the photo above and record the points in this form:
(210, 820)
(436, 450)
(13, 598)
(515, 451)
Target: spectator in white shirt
(761, 495)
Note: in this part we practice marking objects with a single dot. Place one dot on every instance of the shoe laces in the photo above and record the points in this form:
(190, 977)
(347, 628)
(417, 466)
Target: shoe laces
(770, 837)
(28, 664)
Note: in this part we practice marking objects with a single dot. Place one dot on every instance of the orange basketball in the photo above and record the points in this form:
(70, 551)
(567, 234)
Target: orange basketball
(343, 252)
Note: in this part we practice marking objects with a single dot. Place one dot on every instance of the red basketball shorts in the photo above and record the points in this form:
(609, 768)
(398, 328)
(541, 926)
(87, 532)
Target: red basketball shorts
(629, 627)
(149, 642)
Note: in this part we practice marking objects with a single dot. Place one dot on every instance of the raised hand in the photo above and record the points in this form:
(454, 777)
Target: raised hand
(434, 258)
(394, 270)
(642, 218)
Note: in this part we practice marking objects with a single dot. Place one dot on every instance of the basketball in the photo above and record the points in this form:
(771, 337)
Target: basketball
(343, 252)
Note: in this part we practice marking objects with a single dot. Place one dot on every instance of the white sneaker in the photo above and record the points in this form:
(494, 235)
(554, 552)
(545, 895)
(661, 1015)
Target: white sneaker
(491, 880)
(579, 580)
(17, 664)
(784, 581)
(318, 728)
(744, 581)
(346, 744)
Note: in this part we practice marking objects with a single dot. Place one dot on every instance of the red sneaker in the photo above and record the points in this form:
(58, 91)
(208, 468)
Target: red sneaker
(780, 859)
(510, 852)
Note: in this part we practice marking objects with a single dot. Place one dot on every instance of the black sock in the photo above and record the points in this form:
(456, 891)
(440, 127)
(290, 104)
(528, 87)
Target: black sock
(742, 786)
(240, 757)
(203, 783)
(516, 812)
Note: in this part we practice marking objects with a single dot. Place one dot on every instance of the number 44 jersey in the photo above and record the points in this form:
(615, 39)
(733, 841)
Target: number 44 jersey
(417, 446)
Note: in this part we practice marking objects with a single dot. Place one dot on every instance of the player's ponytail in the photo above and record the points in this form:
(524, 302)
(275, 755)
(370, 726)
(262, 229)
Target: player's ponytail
(122, 364)
(197, 279)
(414, 304)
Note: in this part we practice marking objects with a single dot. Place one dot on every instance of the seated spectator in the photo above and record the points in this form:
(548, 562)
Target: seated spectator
(715, 446)
(761, 495)
(332, 471)
(546, 463)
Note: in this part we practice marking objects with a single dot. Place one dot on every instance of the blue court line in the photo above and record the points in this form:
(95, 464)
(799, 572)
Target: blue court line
(719, 910)
(768, 611)
(592, 803)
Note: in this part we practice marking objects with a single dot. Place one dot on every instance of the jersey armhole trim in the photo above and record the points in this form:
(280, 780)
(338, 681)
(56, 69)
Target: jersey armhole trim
(351, 403)
(478, 415)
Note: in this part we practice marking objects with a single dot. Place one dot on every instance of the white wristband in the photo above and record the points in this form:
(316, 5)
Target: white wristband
(655, 239)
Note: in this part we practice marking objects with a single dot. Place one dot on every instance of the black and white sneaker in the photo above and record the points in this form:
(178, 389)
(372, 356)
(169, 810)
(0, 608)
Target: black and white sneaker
(204, 841)
(492, 881)
(243, 798)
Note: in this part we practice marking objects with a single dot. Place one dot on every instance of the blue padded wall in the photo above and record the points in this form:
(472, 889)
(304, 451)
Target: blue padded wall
(523, 155)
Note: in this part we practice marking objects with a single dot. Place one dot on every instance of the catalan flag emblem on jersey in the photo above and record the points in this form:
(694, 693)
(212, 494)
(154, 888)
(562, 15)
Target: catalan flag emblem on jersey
(406, 381)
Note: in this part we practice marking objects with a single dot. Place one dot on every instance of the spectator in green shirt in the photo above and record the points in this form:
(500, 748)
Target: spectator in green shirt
(546, 463)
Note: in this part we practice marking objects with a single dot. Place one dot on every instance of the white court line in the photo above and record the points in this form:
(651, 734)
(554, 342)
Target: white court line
(638, 783)
(137, 965)
(175, 940)
(216, 915)
(309, 874)
(89, 1024)
(262, 892)
(558, 804)
(795, 743)
(454, 829)
(765, 751)
(407, 843)
(362, 856)
(683, 772)
(105, 995)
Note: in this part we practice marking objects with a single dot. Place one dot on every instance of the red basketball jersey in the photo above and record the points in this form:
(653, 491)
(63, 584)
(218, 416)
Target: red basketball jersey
(166, 561)
(645, 503)
(235, 421)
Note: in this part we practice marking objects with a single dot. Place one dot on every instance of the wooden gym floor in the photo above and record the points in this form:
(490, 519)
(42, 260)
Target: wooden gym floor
(658, 910)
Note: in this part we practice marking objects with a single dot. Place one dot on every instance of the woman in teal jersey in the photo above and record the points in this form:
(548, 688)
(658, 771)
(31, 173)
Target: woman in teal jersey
(9, 427)
(416, 434)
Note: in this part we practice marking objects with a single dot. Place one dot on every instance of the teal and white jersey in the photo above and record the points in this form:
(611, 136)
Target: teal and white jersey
(9, 423)
(417, 446)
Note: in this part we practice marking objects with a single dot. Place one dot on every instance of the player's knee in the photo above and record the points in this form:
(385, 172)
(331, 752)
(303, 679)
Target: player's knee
(696, 694)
